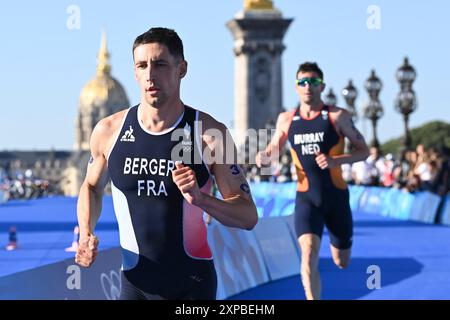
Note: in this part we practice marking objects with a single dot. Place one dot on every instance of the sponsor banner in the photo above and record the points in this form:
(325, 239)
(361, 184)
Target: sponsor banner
(399, 204)
(290, 221)
(3, 196)
(274, 199)
(425, 207)
(371, 200)
(402, 208)
(278, 248)
(355, 196)
(238, 259)
(445, 213)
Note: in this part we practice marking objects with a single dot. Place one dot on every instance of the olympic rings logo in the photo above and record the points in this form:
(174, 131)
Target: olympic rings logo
(111, 285)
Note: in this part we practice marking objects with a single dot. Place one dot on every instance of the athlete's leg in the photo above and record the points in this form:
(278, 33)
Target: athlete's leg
(339, 223)
(204, 290)
(202, 285)
(309, 222)
(310, 246)
(128, 291)
(341, 257)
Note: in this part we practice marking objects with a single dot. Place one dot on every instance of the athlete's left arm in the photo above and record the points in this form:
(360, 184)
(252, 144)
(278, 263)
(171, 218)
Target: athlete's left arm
(347, 128)
(237, 208)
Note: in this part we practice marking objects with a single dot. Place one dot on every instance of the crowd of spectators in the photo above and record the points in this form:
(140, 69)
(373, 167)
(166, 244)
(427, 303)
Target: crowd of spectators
(23, 186)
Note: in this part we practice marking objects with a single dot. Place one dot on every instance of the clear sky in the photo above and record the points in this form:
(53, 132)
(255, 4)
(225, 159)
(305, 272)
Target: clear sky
(44, 64)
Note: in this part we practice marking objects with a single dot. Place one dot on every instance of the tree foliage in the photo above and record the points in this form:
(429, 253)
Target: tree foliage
(434, 134)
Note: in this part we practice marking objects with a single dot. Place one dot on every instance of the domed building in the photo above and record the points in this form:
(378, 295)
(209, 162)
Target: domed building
(100, 97)
(65, 170)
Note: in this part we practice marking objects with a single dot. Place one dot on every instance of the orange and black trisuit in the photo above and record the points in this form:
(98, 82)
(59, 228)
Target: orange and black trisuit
(322, 194)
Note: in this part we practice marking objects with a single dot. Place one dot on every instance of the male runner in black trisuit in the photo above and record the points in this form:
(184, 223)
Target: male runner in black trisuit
(160, 184)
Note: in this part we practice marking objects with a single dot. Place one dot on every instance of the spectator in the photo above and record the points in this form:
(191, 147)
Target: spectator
(361, 172)
(403, 167)
(387, 179)
(347, 173)
(441, 182)
(285, 169)
(424, 170)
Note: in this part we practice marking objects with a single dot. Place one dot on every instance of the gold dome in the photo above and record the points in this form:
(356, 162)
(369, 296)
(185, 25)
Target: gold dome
(258, 4)
(101, 96)
(103, 91)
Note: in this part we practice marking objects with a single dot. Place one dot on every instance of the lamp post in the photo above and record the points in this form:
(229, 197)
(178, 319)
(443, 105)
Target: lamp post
(373, 110)
(350, 93)
(330, 98)
(406, 102)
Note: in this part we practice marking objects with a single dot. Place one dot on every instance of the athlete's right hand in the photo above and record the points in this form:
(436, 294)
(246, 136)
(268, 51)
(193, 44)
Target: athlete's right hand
(87, 250)
(262, 159)
(184, 178)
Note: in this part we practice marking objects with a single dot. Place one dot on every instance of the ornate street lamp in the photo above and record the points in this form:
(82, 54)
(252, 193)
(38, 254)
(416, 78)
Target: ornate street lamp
(373, 110)
(330, 98)
(406, 102)
(350, 93)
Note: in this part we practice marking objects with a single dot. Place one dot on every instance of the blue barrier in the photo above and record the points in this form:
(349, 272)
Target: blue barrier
(279, 249)
(278, 199)
(238, 259)
(445, 213)
(355, 195)
(274, 199)
(425, 207)
(419, 206)
(371, 200)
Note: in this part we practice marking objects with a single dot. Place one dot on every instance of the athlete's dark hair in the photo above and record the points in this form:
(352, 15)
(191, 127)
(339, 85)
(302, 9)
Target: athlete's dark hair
(310, 67)
(167, 37)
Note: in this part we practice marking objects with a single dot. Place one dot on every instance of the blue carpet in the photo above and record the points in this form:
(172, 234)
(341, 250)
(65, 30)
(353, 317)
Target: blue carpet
(45, 229)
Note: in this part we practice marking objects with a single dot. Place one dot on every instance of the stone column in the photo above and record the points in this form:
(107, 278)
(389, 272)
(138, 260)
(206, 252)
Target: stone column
(258, 45)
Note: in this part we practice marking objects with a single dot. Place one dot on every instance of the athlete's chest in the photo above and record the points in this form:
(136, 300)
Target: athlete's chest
(309, 137)
(144, 169)
(142, 163)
